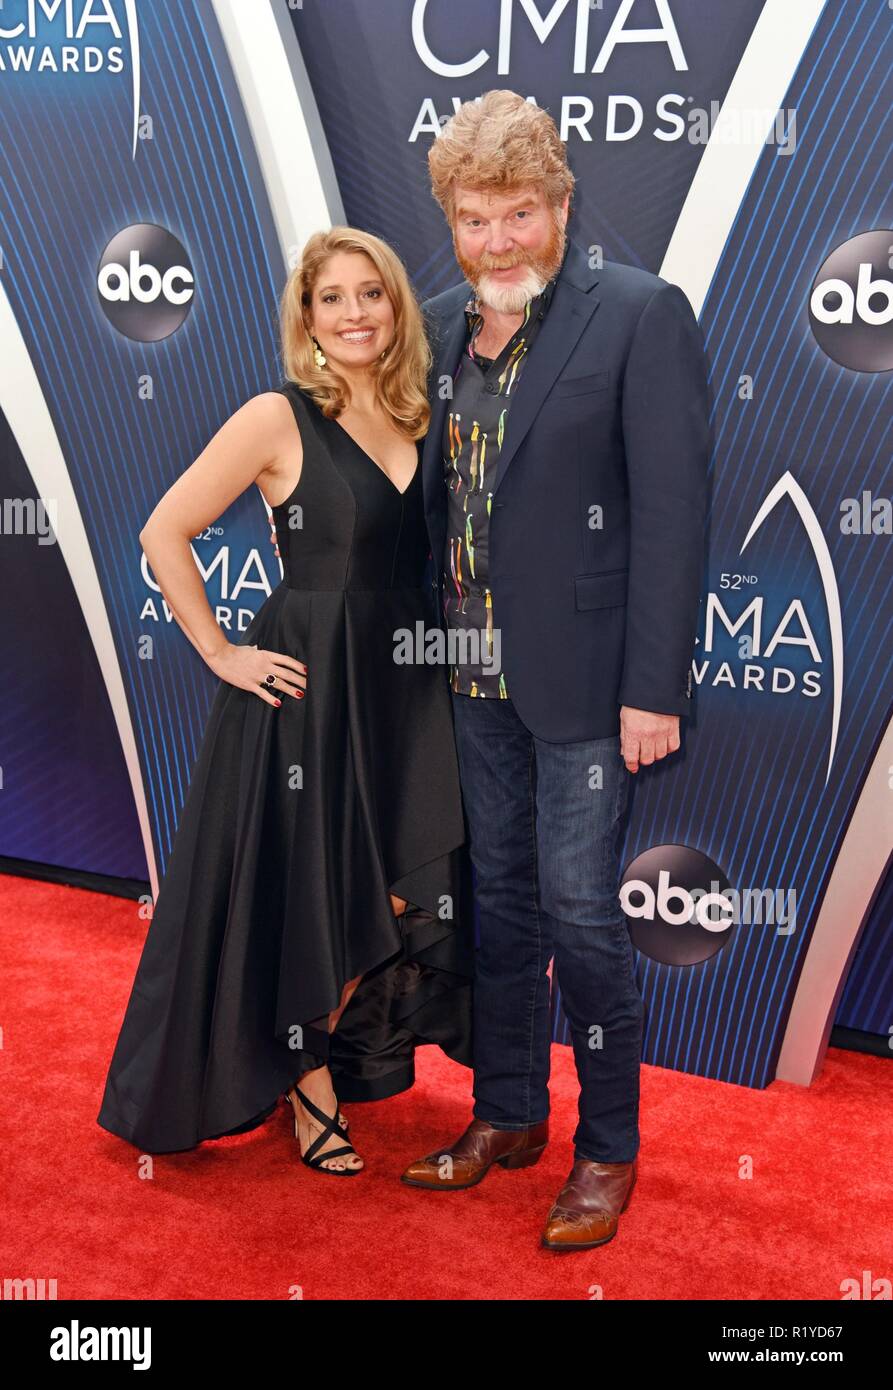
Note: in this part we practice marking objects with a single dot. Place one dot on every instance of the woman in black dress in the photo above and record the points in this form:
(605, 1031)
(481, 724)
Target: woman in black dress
(313, 923)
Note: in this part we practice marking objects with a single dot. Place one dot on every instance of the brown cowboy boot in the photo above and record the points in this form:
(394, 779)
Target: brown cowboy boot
(588, 1207)
(464, 1163)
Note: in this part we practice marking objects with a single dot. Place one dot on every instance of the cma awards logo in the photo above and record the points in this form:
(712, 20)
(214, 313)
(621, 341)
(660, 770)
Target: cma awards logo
(851, 304)
(611, 26)
(665, 32)
(678, 905)
(145, 283)
(764, 636)
(80, 37)
(227, 580)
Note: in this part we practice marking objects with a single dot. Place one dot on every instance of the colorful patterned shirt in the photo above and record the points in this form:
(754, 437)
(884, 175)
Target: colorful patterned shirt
(474, 430)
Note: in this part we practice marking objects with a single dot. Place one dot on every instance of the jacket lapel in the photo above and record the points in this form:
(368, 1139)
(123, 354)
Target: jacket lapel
(571, 308)
(447, 341)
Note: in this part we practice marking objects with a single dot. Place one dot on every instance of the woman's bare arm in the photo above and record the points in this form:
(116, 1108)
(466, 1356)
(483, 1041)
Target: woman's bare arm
(252, 446)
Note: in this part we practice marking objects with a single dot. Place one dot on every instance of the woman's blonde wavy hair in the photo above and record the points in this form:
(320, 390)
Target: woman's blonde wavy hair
(401, 376)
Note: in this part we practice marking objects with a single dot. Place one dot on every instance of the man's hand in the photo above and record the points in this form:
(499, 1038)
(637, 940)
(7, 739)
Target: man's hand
(645, 736)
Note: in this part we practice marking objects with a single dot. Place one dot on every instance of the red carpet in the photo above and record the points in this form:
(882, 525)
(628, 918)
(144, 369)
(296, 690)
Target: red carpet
(243, 1218)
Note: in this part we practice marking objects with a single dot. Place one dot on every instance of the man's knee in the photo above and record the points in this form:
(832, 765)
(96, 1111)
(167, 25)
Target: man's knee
(578, 902)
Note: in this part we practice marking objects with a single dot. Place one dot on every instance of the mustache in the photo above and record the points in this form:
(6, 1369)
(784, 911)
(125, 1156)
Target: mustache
(491, 263)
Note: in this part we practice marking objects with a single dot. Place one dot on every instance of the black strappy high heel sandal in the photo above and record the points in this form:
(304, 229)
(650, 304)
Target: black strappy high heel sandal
(313, 1158)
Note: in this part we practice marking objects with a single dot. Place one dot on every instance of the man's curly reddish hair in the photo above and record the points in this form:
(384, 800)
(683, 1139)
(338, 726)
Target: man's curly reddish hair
(495, 144)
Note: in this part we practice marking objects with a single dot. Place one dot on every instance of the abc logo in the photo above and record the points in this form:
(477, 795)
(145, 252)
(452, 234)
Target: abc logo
(145, 283)
(673, 898)
(851, 303)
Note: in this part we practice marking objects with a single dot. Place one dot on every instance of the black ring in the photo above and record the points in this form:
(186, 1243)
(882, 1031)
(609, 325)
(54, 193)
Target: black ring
(269, 680)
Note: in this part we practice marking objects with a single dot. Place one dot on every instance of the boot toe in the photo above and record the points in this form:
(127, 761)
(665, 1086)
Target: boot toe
(567, 1229)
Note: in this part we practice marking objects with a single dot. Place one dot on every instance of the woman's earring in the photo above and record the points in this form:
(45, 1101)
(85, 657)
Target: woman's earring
(319, 356)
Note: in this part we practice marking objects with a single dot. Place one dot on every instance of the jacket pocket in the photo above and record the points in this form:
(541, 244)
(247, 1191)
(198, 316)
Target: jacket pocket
(604, 590)
(577, 385)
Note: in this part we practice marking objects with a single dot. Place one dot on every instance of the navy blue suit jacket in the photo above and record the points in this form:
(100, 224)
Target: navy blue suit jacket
(598, 514)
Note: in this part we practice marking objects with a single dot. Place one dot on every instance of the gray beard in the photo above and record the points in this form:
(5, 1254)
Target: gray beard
(509, 299)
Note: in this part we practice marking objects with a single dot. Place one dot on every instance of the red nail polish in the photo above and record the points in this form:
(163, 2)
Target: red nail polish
(278, 703)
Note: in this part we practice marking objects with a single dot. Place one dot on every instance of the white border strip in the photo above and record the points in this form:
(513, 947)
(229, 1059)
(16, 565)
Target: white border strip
(755, 96)
(283, 119)
(857, 874)
(22, 402)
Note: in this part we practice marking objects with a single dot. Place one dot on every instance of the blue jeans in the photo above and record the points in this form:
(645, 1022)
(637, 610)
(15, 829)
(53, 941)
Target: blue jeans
(543, 832)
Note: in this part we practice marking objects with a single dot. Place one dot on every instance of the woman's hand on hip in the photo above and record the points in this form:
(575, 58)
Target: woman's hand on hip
(248, 668)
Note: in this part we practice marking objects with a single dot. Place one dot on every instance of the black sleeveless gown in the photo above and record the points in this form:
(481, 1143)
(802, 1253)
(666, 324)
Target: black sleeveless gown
(298, 824)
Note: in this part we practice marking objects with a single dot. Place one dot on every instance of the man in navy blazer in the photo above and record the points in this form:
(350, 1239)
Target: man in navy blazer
(565, 476)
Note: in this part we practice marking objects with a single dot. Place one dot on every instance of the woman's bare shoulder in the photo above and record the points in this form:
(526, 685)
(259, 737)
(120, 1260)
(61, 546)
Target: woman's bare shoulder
(269, 405)
(272, 413)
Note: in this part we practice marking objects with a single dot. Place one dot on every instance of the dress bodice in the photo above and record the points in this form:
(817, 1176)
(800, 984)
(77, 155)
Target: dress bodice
(346, 525)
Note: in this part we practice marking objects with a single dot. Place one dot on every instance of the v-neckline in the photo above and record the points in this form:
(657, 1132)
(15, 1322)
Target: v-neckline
(388, 479)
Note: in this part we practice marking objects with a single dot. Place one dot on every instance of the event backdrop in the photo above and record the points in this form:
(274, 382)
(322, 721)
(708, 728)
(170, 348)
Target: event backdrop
(162, 165)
